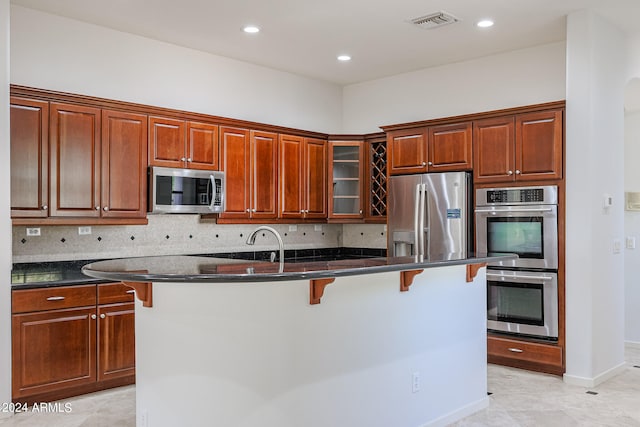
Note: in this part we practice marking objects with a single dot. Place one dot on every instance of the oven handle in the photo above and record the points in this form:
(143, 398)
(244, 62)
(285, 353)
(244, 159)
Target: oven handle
(517, 276)
(516, 210)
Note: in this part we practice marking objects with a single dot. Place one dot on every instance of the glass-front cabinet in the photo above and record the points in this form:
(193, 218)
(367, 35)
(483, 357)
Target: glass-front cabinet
(346, 186)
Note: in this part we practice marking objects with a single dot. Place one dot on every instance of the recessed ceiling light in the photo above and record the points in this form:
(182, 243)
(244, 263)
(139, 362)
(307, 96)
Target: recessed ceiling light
(251, 29)
(485, 23)
(344, 58)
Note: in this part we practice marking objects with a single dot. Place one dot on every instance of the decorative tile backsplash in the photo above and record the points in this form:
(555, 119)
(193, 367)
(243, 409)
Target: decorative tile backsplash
(182, 234)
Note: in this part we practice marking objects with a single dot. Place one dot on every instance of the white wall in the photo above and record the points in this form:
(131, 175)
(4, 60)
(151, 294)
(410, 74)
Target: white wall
(596, 61)
(511, 79)
(5, 221)
(632, 228)
(56, 53)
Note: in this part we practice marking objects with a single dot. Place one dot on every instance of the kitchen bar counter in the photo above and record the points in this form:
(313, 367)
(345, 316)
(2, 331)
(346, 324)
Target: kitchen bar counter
(244, 343)
(195, 269)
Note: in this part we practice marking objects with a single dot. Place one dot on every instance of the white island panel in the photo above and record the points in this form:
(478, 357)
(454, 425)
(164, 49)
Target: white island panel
(258, 354)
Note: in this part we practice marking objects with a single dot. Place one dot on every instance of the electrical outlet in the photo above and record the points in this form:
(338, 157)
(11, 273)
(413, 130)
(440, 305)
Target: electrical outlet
(293, 228)
(317, 227)
(84, 230)
(415, 382)
(35, 231)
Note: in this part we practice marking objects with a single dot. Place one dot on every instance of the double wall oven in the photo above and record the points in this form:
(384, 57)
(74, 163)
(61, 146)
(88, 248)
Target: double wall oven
(522, 294)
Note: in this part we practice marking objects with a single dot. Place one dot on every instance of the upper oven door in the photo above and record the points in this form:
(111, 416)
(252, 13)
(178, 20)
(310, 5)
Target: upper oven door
(529, 231)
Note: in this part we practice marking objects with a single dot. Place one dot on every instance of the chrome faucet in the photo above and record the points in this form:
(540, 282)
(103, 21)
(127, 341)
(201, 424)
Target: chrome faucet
(251, 240)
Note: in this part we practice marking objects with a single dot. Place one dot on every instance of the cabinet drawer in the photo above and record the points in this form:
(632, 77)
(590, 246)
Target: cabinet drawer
(110, 293)
(543, 354)
(28, 300)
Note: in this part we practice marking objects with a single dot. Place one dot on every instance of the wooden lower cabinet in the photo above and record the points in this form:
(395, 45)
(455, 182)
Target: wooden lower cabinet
(534, 356)
(65, 343)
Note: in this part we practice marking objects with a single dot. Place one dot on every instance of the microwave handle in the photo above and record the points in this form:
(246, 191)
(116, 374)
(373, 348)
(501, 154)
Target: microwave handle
(213, 191)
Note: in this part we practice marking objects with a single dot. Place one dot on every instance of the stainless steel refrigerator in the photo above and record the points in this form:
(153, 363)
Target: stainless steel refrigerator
(430, 215)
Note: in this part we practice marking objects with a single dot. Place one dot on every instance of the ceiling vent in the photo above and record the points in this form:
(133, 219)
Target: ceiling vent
(434, 20)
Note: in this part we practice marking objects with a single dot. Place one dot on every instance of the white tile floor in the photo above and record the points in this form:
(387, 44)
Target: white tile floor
(519, 398)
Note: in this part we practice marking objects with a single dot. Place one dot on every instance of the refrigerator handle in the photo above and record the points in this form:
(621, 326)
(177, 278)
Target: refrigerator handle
(416, 221)
(423, 199)
(425, 228)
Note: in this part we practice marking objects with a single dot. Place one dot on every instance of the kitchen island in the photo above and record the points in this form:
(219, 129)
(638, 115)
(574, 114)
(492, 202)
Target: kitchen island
(370, 342)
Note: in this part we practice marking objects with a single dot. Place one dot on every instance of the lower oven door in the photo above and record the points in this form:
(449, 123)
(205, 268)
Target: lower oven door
(523, 303)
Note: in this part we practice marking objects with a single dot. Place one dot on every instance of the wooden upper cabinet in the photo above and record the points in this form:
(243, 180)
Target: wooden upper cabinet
(166, 142)
(264, 175)
(303, 177)
(124, 164)
(291, 179)
(450, 147)
(315, 161)
(202, 146)
(235, 156)
(183, 144)
(436, 148)
(407, 151)
(521, 147)
(29, 158)
(346, 185)
(75, 160)
(539, 145)
(494, 158)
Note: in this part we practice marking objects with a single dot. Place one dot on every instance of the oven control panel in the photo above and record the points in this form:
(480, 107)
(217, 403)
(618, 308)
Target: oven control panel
(544, 195)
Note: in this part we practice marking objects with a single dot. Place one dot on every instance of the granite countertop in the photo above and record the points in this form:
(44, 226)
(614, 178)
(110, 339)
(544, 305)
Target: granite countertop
(66, 273)
(199, 269)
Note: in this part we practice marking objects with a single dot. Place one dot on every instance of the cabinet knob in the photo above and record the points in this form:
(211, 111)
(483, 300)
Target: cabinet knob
(183, 159)
(97, 208)
(93, 316)
(360, 211)
(189, 159)
(424, 163)
(509, 172)
(248, 210)
(430, 163)
(102, 316)
(517, 172)
(106, 208)
(254, 210)
(45, 207)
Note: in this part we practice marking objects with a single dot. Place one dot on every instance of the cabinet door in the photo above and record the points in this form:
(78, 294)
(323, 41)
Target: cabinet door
(75, 160)
(539, 138)
(291, 180)
(450, 147)
(345, 170)
(53, 350)
(264, 175)
(493, 153)
(166, 142)
(116, 341)
(202, 146)
(315, 177)
(29, 158)
(124, 165)
(234, 149)
(407, 151)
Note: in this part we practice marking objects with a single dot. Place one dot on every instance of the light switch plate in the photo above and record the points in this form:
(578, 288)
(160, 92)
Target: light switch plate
(630, 242)
(617, 246)
(84, 230)
(293, 228)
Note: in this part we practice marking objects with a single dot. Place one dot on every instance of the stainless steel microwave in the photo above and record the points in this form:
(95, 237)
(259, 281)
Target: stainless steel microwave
(174, 190)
